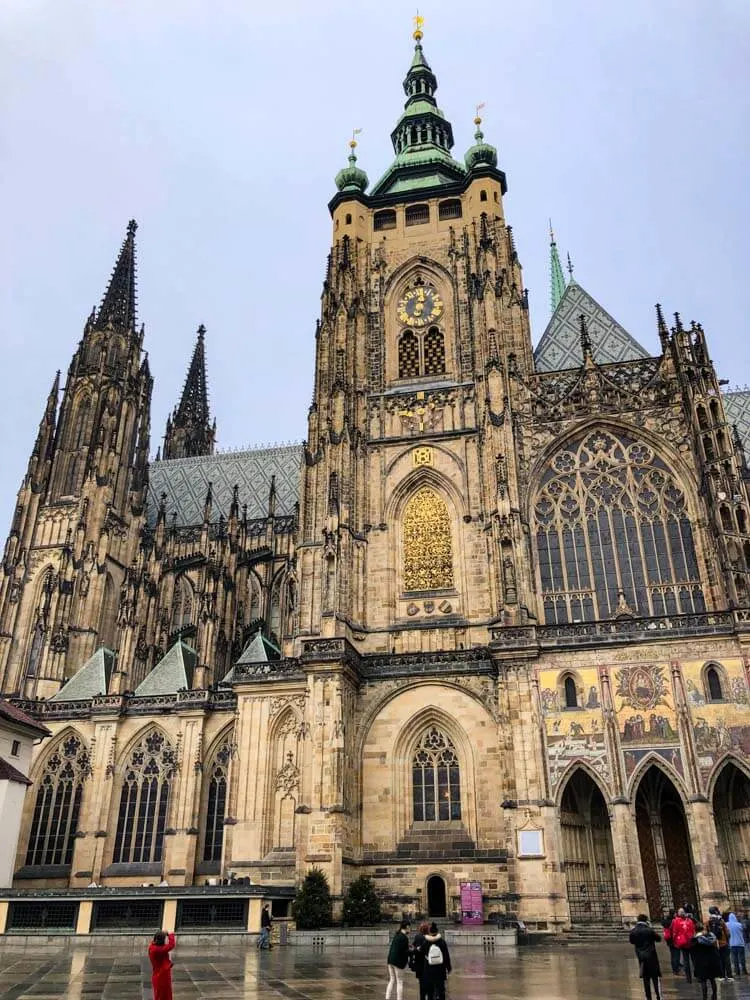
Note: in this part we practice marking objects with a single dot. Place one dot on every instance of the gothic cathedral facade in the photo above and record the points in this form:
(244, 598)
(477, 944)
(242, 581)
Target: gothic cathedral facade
(490, 623)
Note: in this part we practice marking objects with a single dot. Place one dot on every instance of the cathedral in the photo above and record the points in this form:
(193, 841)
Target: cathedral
(488, 624)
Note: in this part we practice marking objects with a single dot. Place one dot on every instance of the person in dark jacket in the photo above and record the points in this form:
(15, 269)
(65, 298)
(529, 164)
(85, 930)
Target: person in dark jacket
(417, 958)
(437, 964)
(674, 952)
(644, 939)
(398, 959)
(706, 961)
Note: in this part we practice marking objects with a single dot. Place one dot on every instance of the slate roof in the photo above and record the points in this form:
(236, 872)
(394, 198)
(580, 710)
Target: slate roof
(560, 344)
(737, 408)
(10, 713)
(91, 680)
(173, 673)
(185, 481)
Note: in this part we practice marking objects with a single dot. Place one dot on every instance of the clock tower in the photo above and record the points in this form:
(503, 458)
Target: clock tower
(410, 533)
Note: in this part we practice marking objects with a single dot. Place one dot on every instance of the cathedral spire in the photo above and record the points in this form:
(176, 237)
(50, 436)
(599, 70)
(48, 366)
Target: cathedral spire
(189, 430)
(118, 306)
(557, 278)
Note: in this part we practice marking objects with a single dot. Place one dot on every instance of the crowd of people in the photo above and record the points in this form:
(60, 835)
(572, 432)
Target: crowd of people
(708, 952)
(427, 956)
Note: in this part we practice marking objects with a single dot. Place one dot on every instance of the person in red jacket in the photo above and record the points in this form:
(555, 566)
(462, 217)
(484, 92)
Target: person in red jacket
(161, 964)
(683, 932)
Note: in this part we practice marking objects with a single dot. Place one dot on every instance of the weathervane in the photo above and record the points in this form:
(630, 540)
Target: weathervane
(418, 25)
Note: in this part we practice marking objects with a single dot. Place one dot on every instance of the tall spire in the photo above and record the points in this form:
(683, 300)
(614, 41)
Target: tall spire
(189, 430)
(119, 305)
(556, 276)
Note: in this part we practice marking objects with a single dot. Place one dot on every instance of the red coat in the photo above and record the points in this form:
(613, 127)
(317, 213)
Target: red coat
(683, 931)
(161, 964)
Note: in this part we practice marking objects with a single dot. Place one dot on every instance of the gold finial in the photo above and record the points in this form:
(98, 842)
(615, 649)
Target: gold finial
(418, 25)
(353, 140)
(477, 117)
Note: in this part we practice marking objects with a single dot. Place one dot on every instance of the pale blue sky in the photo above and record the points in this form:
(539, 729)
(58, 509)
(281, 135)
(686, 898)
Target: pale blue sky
(219, 126)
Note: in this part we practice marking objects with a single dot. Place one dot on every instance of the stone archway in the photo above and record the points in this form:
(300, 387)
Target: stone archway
(437, 903)
(588, 854)
(664, 843)
(731, 803)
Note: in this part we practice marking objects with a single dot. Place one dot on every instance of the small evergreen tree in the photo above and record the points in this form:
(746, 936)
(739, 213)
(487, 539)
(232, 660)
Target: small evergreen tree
(361, 904)
(312, 906)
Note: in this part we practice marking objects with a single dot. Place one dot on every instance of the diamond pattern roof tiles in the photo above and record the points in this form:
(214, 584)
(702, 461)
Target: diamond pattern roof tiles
(91, 680)
(560, 345)
(737, 409)
(185, 481)
(173, 673)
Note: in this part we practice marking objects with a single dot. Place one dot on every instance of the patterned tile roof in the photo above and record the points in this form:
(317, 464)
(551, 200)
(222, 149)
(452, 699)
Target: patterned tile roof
(91, 680)
(560, 345)
(185, 481)
(737, 408)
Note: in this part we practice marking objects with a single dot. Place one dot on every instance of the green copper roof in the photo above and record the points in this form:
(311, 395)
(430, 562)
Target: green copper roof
(423, 137)
(173, 673)
(256, 651)
(91, 680)
(557, 278)
(352, 178)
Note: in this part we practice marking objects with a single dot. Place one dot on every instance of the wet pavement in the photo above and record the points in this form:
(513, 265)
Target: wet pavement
(545, 972)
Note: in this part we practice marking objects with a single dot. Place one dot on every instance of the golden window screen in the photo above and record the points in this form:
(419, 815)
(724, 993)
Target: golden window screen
(408, 355)
(434, 352)
(428, 550)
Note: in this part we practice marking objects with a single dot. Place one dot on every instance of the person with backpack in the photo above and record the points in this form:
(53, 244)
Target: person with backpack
(737, 945)
(706, 963)
(717, 926)
(644, 939)
(437, 964)
(683, 932)
(398, 959)
(417, 958)
(674, 953)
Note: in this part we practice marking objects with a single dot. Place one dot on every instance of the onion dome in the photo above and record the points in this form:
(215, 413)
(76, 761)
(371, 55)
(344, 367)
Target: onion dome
(352, 178)
(481, 154)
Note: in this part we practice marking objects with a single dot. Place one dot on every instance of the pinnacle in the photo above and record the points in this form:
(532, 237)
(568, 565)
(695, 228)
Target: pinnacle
(118, 306)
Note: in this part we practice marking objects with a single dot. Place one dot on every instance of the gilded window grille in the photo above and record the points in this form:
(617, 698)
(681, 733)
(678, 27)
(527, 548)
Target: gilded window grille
(613, 534)
(54, 822)
(144, 801)
(434, 352)
(408, 355)
(436, 779)
(428, 546)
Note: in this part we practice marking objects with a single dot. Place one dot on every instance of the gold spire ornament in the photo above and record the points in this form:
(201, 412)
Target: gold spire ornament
(418, 25)
(477, 116)
(353, 140)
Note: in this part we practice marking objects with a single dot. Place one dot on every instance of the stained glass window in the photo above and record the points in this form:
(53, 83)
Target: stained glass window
(144, 800)
(436, 778)
(613, 534)
(428, 548)
(58, 801)
(216, 805)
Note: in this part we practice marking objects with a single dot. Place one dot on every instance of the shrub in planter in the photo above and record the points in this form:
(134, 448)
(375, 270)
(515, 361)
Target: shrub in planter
(361, 904)
(312, 907)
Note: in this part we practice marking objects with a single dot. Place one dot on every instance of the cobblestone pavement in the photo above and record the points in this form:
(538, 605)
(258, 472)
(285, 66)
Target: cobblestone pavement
(553, 972)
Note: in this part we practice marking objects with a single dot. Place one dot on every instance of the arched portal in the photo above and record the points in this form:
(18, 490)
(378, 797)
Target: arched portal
(664, 844)
(588, 854)
(436, 898)
(731, 804)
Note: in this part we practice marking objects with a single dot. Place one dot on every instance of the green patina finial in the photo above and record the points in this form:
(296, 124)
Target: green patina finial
(352, 178)
(557, 278)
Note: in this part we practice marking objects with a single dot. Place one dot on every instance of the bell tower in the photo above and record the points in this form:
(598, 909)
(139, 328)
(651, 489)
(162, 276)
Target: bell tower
(411, 537)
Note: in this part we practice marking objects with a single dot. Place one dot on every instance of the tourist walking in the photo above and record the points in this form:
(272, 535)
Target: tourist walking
(717, 926)
(644, 939)
(683, 932)
(674, 953)
(398, 959)
(264, 938)
(737, 945)
(437, 964)
(706, 962)
(417, 958)
(161, 964)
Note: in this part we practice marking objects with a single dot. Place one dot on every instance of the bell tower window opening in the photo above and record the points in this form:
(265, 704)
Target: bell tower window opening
(417, 215)
(421, 353)
(449, 209)
(408, 355)
(434, 352)
(613, 534)
(436, 779)
(428, 546)
(384, 220)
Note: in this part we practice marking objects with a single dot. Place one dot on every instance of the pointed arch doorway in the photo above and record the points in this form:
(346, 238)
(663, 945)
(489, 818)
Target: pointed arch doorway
(664, 844)
(588, 853)
(731, 803)
(436, 897)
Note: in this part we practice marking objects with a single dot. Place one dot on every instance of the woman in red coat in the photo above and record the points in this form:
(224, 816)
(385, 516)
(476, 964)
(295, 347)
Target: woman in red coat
(161, 964)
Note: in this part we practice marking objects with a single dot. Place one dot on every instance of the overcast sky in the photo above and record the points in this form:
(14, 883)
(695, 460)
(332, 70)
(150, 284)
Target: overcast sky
(220, 125)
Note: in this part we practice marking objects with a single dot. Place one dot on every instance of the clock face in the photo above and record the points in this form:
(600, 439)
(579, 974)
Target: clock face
(420, 306)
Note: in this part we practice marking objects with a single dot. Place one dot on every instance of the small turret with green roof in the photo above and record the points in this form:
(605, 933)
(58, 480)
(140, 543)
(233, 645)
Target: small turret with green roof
(352, 178)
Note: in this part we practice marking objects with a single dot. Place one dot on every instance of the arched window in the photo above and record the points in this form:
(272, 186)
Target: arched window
(348, 219)
(436, 779)
(108, 615)
(58, 802)
(612, 528)
(213, 838)
(386, 219)
(79, 437)
(182, 604)
(713, 685)
(428, 547)
(144, 800)
(434, 352)
(483, 196)
(408, 355)
(571, 695)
